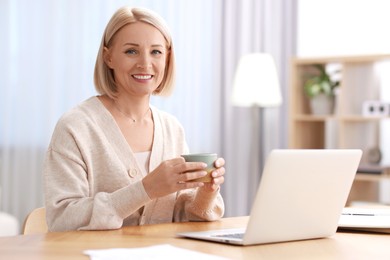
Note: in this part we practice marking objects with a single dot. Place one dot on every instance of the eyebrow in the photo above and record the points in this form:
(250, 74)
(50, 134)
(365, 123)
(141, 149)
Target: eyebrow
(137, 45)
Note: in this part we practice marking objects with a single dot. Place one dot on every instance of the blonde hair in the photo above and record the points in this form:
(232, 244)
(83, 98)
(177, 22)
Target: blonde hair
(104, 77)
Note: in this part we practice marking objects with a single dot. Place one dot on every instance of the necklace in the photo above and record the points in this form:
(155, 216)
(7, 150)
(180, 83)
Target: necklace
(129, 117)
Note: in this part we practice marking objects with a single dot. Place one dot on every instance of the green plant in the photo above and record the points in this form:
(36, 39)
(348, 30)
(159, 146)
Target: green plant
(320, 83)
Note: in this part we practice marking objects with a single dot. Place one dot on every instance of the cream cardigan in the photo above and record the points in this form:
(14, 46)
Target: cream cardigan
(92, 180)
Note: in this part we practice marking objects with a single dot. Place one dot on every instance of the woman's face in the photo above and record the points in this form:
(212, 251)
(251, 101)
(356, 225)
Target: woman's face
(137, 56)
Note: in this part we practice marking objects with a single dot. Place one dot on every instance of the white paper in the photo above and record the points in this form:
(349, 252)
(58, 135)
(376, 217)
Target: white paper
(152, 252)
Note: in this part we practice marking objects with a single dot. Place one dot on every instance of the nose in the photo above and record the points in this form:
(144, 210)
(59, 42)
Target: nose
(144, 62)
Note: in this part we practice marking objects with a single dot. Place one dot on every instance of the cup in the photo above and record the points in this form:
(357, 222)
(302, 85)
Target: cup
(208, 158)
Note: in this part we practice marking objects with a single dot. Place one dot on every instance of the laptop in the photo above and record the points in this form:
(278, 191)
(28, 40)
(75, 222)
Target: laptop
(371, 219)
(301, 196)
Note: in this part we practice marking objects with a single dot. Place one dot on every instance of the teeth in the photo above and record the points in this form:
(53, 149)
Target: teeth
(142, 76)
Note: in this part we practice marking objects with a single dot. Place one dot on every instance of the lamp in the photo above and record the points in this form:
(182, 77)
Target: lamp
(256, 82)
(256, 85)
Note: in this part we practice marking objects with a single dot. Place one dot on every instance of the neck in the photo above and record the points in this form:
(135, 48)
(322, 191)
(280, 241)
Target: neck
(129, 109)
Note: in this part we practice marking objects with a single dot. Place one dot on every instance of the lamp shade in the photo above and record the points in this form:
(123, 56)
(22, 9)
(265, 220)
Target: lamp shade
(256, 82)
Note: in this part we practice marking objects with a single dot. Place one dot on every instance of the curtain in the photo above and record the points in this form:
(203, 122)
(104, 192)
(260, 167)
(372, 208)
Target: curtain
(252, 26)
(48, 50)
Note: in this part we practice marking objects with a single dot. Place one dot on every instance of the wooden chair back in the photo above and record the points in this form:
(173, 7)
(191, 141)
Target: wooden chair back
(35, 222)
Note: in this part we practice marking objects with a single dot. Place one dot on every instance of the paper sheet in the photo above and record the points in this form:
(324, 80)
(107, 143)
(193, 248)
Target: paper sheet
(152, 252)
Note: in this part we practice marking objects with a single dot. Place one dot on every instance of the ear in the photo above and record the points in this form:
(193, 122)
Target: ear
(107, 57)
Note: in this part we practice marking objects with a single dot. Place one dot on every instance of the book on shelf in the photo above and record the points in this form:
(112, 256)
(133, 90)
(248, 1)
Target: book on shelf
(374, 169)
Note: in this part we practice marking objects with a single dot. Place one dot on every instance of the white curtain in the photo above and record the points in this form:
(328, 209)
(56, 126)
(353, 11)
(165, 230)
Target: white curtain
(253, 26)
(48, 51)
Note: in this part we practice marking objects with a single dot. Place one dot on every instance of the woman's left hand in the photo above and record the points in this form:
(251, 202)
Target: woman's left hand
(217, 176)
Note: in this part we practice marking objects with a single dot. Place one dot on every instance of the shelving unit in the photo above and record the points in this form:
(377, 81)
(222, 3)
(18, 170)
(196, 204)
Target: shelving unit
(358, 83)
(346, 127)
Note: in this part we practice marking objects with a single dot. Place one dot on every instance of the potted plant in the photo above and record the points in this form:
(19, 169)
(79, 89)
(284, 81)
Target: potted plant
(319, 87)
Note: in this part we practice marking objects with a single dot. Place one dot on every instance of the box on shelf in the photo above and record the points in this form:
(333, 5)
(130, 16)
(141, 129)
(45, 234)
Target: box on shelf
(376, 108)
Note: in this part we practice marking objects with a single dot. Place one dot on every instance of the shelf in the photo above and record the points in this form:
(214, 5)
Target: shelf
(357, 118)
(348, 118)
(341, 59)
(311, 118)
(371, 177)
(347, 127)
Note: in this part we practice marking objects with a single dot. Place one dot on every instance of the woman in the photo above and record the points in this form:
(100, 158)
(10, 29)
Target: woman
(114, 160)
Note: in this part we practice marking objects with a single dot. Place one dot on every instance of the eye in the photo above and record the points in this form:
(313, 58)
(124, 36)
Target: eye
(156, 52)
(131, 52)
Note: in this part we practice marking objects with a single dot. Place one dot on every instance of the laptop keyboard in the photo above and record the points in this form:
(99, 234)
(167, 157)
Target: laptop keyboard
(232, 235)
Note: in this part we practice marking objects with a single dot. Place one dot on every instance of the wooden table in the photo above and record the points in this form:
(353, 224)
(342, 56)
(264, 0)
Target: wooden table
(70, 245)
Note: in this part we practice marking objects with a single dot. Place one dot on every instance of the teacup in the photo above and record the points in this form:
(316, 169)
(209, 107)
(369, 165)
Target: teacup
(208, 158)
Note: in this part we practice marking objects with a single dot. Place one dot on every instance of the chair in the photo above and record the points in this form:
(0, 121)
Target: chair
(35, 222)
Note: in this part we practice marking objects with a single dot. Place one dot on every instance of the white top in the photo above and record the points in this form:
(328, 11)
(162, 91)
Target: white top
(143, 159)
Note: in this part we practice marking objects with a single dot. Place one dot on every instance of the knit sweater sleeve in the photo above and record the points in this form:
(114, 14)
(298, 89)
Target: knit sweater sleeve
(70, 204)
(198, 205)
(191, 204)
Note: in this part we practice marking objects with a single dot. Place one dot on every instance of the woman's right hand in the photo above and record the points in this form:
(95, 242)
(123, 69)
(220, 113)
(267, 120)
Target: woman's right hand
(173, 175)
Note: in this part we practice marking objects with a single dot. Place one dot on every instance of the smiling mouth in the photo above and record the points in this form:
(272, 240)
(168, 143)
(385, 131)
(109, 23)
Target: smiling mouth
(142, 77)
